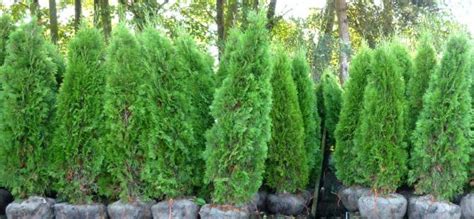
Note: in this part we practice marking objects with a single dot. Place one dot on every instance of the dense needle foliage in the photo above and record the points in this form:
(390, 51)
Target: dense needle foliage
(307, 101)
(27, 100)
(331, 95)
(237, 142)
(379, 138)
(345, 152)
(403, 63)
(441, 138)
(425, 65)
(168, 168)
(76, 148)
(130, 116)
(286, 165)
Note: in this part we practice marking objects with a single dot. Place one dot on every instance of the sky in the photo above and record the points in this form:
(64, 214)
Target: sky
(462, 9)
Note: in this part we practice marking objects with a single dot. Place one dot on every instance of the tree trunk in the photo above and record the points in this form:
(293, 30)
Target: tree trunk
(271, 14)
(317, 185)
(220, 26)
(345, 43)
(78, 14)
(323, 51)
(387, 15)
(53, 19)
(35, 9)
(96, 13)
(105, 18)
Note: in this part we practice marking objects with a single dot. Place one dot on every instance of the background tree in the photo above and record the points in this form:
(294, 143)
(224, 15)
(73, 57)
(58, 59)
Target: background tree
(6, 27)
(77, 14)
(235, 156)
(380, 136)
(130, 116)
(424, 67)
(53, 21)
(285, 173)
(77, 149)
(344, 40)
(441, 145)
(345, 152)
(27, 108)
(305, 87)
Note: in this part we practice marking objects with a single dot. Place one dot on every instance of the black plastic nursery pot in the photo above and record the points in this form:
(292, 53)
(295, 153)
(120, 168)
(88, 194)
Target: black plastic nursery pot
(289, 204)
(34, 207)
(5, 199)
(69, 211)
(210, 211)
(176, 209)
(130, 210)
(420, 207)
(387, 206)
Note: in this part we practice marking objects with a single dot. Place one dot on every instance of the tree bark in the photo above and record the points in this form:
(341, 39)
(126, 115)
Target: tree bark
(35, 9)
(96, 13)
(271, 14)
(220, 26)
(105, 17)
(345, 43)
(53, 20)
(323, 51)
(78, 14)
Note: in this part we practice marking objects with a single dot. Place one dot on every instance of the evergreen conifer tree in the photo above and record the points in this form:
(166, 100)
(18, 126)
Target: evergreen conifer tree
(286, 165)
(197, 67)
(441, 139)
(331, 94)
(380, 136)
(425, 65)
(6, 27)
(404, 63)
(353, 97)
(176, 148)
(58, 61)
(308, 105)
(130, 116)
(76, 147)
(27, 108)
(237, 142)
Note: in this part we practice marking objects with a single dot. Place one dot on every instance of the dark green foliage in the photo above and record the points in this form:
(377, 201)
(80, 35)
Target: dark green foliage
(77, 150)
(471, 164)
(441, 139)
(331, 93)
(380, 136)
(59, 62)
(27, 108)
(173, 163)
(308, 105)
(353, 97)
(6, 27)
(232, 48)
(286, 165)
(130, 116)
(197, 67)
(425, 65)
(404, 63)
(237, 142)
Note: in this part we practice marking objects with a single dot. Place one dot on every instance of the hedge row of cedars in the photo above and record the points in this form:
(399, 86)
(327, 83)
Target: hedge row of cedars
(146, 117)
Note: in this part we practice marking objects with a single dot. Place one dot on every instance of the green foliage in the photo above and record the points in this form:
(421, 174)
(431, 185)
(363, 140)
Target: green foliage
(286, 165)
(424, 67)
(58, 60)
(331, 95)
(76, 144)
(27, 108)
(197, 67)
(131, 116)
(237, 142)
(403, 63)
(380, 136)
(230, 51)
(441, 138)
(168, 168)
(6, 27)
(307, 101)
(345, 153)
